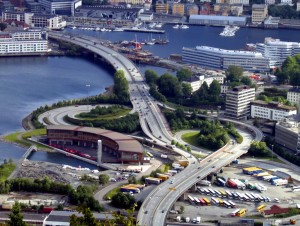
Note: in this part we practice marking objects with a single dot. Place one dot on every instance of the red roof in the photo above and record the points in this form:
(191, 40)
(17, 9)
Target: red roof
(276, 210)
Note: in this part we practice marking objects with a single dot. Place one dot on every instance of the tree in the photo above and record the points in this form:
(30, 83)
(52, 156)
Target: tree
(151, 76)
(2, 26)
(87, 219)
(132, 180)
(15, 217)
(233, 73)
(246, 81)
(121, 86)
(215, 88)
(169, 86)
(182, 209)
(259, 149)
(103, 179)
(186, 89)
(184, 74)
(124, 201)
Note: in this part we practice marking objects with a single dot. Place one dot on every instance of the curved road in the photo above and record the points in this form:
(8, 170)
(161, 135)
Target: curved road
(160, 200)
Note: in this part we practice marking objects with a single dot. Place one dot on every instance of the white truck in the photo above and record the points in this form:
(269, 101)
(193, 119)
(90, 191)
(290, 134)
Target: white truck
(204, 182)
(187, 219)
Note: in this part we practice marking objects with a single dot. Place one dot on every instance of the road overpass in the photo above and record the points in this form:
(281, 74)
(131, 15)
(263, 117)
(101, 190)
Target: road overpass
(155, 207)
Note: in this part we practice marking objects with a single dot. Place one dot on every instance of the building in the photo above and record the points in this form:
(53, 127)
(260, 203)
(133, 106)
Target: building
(259, 13)
(238, 102)
(197, 81)
(124, 149)
(52, 22)
(210, 57)
(274, 210)
(287, 133)
(277, 51)
(23, 42)
(236, 9)
(272, 22)
(63, 7)
(286, 2)
(269, 2)
(271, 111)
(293, 95)
(145, 16)
(217, 20)
(224, 88)
(178, 9)
(162, 8)
(298, 6)
(192, 9)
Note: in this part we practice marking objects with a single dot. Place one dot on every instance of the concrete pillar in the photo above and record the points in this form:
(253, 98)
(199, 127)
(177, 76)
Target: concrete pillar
(194, 188)
(78, 143)
(84, 144)
(99, 152)
(181, 198)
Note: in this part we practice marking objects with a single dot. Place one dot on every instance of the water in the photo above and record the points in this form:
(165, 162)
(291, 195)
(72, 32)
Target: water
(29, 82)
(196, 35)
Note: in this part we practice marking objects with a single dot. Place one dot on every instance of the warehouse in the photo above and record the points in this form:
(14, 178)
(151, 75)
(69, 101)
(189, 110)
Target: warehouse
(217, 20)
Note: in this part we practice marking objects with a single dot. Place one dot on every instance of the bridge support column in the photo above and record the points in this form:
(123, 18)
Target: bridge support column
(84, 144)
(78, 143)
(182, 197)
(194, 188)
(99, 152)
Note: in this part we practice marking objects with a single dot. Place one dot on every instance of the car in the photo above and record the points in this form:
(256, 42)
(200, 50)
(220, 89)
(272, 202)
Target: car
(159, 137)
(146, 211)
(163, 211)
(198, 177)
(213, 167)
(199, 167)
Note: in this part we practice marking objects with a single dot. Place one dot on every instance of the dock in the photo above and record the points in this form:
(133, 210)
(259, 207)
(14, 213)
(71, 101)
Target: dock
(144, 30)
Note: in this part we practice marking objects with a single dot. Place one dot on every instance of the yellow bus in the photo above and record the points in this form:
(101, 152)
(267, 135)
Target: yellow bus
(221, 202)
(261, 208)
(241, 212)
(223, 193)
(206, 201)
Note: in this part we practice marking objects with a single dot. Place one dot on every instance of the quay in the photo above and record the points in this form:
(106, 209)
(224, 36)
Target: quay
(143, 30)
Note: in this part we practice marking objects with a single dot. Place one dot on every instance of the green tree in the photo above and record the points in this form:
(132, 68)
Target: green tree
(186, 89)
(124, 201)
(121, 86)
(87, 219)
(151, 76)
(215, 88)
(15, 217)
(184, 74)
(103, 179)
(2, 26)
(246, 81)
(169, 86)
(259, 149)
(233, 73)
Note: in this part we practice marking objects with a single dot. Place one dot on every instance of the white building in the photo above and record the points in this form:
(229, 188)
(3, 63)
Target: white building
(217, 20)
(224, 88)
(52, 22)
(286, 2)
(277, 51)
(298, 6)
(66, 7)
(293, 96)
(145, 16)
(269, 2)
(272, 111)
(210, 57)
(238, 102)
(197, 81)
(26, 42)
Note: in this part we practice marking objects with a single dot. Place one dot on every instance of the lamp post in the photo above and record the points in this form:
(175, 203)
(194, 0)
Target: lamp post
(88, 86)
(272, 151)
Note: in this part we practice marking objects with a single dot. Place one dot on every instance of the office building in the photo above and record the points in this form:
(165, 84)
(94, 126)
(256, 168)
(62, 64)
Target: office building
(162, 8)
(192, 9)
(64, 7)
(271, 111)
(287, 133)
(277, 51)
(238, 102)
(23, 42)
(259, 13)
(209, 57)
(293, 95)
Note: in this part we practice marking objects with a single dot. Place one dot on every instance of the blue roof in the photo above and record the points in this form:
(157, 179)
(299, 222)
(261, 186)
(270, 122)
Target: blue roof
(226, 18)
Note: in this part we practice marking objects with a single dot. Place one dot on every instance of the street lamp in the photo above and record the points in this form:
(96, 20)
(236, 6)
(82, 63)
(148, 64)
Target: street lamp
(272, 151)
(87, 86)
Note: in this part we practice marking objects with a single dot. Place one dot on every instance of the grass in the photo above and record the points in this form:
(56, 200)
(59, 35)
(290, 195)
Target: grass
(118, 114)
(199, 155)
(14, 138)
(191, 138)
(6, 170)
(111, 193)
(275, 159)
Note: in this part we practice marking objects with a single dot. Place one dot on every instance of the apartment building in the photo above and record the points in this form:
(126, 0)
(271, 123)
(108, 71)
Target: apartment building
(238, 102)
(259, 13)
(293, 95)
(162, 8)
(65, 7)
(271, 111)
(197, 81)
(178, 9)
(192, 9)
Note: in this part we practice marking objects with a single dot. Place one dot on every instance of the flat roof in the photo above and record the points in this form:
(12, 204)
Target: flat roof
(224, 18)
(274, 105)
(125, 143)
(64, 216)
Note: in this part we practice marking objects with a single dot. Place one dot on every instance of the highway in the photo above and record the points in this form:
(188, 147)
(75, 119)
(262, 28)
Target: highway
(156, 206)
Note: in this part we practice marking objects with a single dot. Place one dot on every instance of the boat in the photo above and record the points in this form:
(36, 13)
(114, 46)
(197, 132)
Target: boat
(118, 29)
(176, 26)
(159, 25)
(229, 31)
(97, 29)
(73, 27)
(183, 26)
(152, 25)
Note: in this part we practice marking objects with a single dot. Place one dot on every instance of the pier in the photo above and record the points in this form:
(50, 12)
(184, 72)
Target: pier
(144, 30)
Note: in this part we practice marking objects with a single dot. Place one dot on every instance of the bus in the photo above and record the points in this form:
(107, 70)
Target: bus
(149, 154)
(233, 205)
(260, 198)
(201, 190)
(197, 201)
(215, 201)
(191, 199)
(223, 193)
(206, 201)
(212, 192)
(218, 193)
(250, 196)
(221, 202)
(234, 213)
(206, 191)
(229, 194)
(235, 195)
(261, 208)
(202, 202)
(227, 204)
(241, 212)
(240, 196)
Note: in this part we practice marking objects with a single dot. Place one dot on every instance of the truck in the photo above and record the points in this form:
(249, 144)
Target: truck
(251, 186)
(178, 218)
(240, 185)
(251, 170)
(187, 219)
(204, 182)
(280, 182)
(231, 184)
(260, 187)
(274, 178)
(152, 180)
(198, 220)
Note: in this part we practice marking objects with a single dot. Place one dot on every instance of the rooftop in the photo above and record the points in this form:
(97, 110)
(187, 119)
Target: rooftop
(276, 210)
(224, 18)
(294, 90)
(125, 143)
(274, 105)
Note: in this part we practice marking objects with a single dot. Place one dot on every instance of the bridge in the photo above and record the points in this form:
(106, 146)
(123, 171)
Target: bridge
(155, 207)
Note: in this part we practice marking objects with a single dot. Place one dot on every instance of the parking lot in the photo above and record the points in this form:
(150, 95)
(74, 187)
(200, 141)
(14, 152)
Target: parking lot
(284, 194)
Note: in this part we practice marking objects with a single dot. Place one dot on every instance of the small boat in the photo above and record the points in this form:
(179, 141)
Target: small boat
(183, 26)
(97, 29)
(73, 27)
(159, 25)
(152, 25)
(176, 26)
(118, 29)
